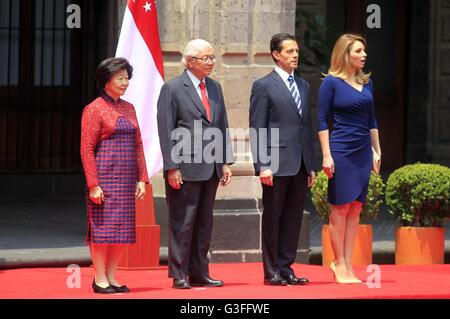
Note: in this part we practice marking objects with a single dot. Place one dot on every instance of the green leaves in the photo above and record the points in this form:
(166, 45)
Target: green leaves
(319, 192)
(419, 194)
(370, 209)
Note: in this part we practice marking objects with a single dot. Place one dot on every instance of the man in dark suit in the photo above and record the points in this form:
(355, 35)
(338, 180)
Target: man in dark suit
(196, 149)
(280, 127)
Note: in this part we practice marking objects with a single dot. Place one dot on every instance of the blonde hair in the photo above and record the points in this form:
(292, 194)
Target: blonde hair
(339, 58)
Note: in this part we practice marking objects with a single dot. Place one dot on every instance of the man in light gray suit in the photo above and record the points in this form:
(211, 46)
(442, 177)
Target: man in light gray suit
(196, 149)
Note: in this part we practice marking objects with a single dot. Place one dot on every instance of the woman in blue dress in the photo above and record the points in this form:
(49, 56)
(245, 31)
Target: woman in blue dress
(346, 94)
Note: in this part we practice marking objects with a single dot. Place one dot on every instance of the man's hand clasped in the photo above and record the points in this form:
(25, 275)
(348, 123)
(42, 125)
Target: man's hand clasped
(175, 179)
(226, 178)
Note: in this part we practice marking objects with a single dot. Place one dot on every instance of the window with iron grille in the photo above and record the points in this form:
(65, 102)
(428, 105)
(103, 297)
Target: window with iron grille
(51, 44)
(9, 42)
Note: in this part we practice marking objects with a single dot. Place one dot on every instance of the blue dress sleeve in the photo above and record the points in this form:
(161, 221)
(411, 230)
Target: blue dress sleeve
(325, 101)
(372, 118)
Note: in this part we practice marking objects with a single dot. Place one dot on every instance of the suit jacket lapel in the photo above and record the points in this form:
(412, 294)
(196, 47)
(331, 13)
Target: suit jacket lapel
(287, 94)
(191, 91)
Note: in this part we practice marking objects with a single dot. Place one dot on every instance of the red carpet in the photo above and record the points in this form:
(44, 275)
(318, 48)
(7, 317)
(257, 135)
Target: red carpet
(242, 281)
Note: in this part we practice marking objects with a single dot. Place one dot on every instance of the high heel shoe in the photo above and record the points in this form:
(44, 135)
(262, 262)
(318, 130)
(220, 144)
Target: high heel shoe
(354, 280)
(333, 270)
(99, 290)
(121, 289)
(338, 279)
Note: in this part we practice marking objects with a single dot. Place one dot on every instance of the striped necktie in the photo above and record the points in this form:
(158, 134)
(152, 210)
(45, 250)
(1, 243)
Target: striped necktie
(295, 94)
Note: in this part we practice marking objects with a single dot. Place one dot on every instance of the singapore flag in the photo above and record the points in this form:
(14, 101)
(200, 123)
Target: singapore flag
(139, 44)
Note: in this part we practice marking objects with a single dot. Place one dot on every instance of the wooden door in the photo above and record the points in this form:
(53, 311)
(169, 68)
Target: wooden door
(42, 85)
(387, 59)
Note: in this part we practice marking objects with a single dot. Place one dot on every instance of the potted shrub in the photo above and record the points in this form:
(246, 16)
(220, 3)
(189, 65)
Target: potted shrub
(418, 195)
(362, 252)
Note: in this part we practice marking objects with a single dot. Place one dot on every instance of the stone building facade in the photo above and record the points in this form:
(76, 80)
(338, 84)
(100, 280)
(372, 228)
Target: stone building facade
(413, 104)
(409, 56)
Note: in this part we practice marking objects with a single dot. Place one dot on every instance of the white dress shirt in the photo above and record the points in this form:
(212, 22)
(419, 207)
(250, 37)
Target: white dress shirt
(196, 83)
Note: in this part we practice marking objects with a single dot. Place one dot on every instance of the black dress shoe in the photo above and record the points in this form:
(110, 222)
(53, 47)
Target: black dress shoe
(121, 289)
(292, 280)
(204, 282)
(100, 290)
(181, 284)
(275, 281)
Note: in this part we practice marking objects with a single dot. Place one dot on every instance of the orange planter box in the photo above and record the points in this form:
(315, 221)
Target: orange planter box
(362, 251)
(145, 253)
(419, 245)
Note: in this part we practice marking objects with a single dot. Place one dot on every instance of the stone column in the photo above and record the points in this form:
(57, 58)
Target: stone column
(240, 32)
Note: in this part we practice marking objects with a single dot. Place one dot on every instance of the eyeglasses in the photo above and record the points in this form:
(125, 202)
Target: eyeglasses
(206, 58)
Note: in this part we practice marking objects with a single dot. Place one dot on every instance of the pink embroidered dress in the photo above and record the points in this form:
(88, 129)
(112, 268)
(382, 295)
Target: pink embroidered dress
(113, 158)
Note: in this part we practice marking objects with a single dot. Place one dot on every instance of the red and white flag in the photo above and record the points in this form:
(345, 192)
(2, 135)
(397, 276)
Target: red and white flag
(139, 44)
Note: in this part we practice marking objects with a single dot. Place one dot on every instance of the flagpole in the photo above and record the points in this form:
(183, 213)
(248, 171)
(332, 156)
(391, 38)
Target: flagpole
(139, 43)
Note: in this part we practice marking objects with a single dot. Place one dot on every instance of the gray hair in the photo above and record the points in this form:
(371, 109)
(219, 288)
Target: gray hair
(193, 48)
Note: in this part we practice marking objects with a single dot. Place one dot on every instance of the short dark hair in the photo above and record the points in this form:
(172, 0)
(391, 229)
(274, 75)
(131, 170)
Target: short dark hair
(277, 39)
(107, 68)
